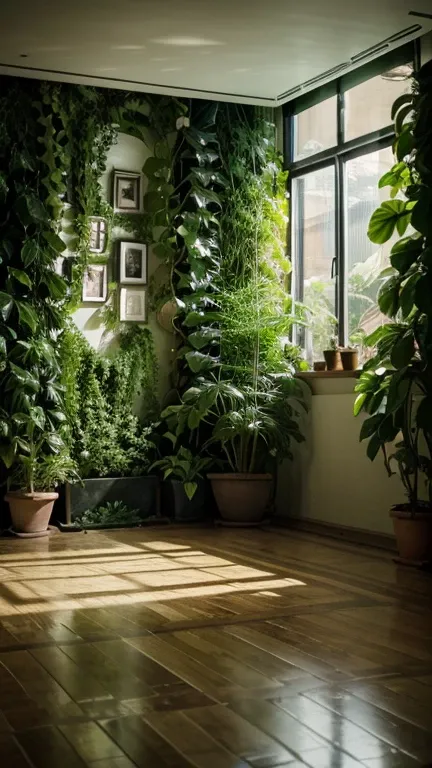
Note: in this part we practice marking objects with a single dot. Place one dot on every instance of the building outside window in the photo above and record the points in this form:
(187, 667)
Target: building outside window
(338, 144)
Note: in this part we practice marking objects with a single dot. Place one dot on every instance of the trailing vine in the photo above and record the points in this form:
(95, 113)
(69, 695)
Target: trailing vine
(32, 169)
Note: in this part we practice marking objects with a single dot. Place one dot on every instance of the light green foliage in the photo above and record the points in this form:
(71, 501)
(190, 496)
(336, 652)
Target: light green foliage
(106, 436)
(400, 369)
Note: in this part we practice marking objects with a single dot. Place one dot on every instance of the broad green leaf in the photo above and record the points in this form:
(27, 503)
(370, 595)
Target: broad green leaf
(405, 252)
(421, 218)
(21, 276)
(6, 304)
(190, 489)
(404, 143)
(359, 402)
(38, 417)
(407, 295)
(374, 445)
(383, 221)
(7, 455)
(29, 252)
(388, 297)
(56, 285)
(198, 362)
(370, 426)
(404, 99)
(201, 338)
(54, 241)
(27, 315)
(403, 351)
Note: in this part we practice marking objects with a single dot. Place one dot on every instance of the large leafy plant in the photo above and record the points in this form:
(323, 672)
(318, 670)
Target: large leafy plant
(395, 389)
(32, 296)
(250, 428)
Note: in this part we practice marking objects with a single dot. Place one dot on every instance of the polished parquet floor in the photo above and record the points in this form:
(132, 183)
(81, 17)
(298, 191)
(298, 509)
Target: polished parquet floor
(178, 647)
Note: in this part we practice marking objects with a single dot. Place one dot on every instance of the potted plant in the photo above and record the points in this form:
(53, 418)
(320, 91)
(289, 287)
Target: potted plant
(395, 388)
(332, 355)
(251, 428)
(35, 474)
(185, 488)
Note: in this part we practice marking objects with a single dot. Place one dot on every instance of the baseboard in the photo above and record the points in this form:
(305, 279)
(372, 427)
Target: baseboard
(341, 532)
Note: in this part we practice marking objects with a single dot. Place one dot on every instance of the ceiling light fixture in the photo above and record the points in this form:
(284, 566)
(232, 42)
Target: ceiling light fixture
(185, 42)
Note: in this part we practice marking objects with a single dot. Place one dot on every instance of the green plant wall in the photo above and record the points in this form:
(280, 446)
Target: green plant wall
(215, 214)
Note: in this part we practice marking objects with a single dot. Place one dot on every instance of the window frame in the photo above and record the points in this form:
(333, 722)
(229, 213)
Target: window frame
(337, 156)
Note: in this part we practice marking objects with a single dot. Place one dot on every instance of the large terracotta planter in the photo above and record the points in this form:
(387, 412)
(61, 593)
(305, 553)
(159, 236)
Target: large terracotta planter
(413, 534)
(30, 512)
(242, 498)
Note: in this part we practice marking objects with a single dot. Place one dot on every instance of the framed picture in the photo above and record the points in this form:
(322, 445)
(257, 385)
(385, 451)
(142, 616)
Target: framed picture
(133, 263)
(98, 234)
(127, 196)
(133, 305)
(95, 283)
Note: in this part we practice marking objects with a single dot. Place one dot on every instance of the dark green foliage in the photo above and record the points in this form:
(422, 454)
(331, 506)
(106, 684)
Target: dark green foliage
(32, 166)
(395, 389)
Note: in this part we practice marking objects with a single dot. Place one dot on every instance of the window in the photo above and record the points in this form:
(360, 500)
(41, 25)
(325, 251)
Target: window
(338, 146)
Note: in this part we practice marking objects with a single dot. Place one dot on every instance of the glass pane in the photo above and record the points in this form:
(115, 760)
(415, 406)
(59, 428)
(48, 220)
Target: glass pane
(368, 105)
(315, 129)
(314, 209)
(364, 259)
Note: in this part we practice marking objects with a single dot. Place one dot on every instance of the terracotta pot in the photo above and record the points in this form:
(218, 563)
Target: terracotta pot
(30, 512)
(413, 534)
(350, 359)
(319, 365)
(242, 497)
(333, 359)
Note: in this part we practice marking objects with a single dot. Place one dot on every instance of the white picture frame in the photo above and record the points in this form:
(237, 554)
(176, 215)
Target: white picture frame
(95, 283)
(127, 192)
(98, 234)
(133, 263)
(133, 305)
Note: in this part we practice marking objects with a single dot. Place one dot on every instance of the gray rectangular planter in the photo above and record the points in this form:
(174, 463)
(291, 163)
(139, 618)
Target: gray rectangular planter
(141, 493)
(176, 504)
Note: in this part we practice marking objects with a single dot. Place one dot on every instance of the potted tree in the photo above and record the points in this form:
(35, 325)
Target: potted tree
(249, 429)
(184, 491)
(395, 388)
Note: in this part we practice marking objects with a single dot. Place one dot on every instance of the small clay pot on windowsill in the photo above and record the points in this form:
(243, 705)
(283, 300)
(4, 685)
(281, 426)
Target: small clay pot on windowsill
(350, 359)
(333, 359)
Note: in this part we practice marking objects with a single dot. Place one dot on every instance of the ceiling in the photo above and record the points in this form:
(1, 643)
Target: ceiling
(254, 51)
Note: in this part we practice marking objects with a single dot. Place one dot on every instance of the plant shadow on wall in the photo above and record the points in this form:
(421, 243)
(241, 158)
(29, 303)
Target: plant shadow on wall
(395, 388)
(239, 401)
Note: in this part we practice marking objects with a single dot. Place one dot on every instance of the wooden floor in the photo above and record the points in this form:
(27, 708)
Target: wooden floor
(182, 647)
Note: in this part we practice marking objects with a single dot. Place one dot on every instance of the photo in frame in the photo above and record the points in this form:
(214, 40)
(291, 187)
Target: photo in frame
(127, 197)
(133, 263)
(133, 305)
(95, 283)
(98, 234)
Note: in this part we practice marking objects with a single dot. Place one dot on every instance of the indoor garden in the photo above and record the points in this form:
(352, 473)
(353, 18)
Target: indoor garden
(86, 426)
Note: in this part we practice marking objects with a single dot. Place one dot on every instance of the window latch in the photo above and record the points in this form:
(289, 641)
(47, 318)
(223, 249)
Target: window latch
(334, 268)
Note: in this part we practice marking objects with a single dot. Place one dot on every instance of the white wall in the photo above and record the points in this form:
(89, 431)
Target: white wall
(129, 154)
(331, 480)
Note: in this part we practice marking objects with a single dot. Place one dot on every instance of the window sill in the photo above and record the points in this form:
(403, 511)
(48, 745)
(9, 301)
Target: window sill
(329, 374)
